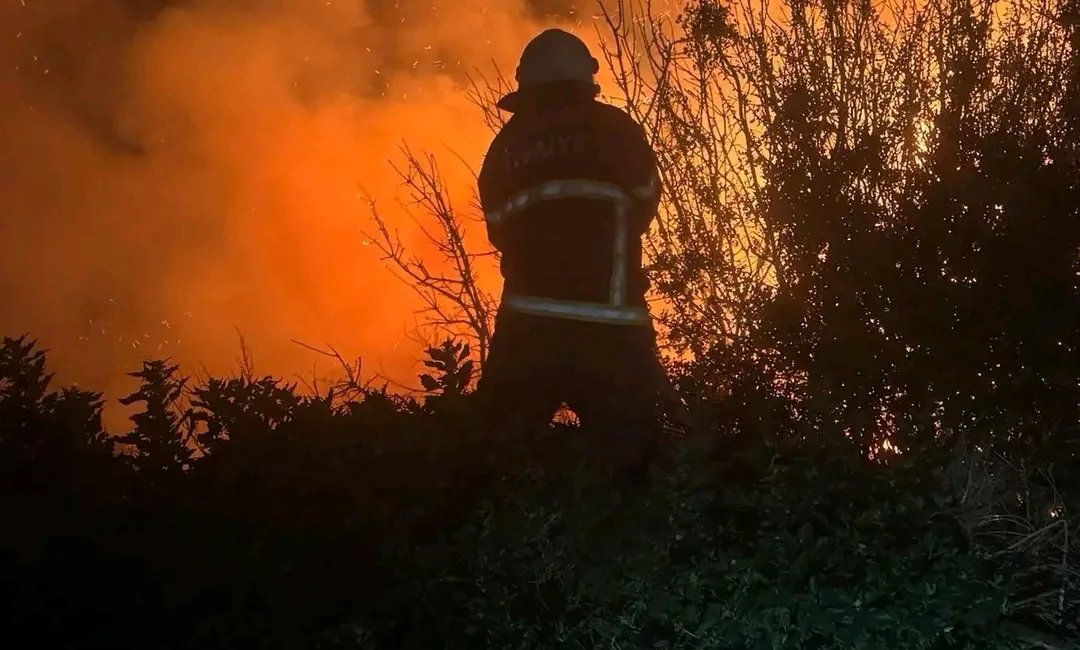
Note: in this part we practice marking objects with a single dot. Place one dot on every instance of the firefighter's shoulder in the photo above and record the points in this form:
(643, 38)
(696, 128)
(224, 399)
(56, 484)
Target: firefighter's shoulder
(510, 132)
(618, 118)
(497, 147)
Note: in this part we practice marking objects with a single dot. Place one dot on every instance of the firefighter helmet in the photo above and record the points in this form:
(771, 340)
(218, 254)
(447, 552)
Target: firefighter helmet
(553, 56)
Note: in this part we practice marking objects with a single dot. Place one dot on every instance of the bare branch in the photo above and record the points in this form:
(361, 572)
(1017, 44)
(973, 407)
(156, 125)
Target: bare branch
(454, 304)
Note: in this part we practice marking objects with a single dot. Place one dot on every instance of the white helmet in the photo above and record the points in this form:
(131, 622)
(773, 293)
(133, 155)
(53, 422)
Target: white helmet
(553, 56)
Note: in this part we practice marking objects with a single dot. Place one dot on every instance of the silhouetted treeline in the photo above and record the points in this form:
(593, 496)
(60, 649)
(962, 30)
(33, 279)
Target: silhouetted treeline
(871, 251)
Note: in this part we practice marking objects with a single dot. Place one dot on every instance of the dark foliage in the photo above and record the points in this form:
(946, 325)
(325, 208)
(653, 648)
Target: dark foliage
(245, 515)
(874, 208)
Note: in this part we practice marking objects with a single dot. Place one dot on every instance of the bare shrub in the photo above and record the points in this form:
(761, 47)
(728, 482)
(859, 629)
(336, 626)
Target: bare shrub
(454, 303)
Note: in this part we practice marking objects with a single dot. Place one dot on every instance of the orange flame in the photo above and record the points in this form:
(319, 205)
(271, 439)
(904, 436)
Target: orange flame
(173, 177)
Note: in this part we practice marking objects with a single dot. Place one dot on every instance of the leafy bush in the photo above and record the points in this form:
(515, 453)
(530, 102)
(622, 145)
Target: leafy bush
(301, 521)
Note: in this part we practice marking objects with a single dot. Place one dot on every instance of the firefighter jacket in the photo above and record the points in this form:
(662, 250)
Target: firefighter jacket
(568, 190)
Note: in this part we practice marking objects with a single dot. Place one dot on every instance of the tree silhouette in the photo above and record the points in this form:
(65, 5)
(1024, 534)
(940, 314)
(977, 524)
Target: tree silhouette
(162, 437)
(872, 205)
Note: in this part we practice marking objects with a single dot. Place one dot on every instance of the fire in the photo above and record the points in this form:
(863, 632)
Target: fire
(174, 177)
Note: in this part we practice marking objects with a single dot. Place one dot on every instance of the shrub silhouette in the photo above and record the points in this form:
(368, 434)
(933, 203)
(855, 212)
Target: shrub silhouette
(159, 441)
(872, 207)
(290, 521)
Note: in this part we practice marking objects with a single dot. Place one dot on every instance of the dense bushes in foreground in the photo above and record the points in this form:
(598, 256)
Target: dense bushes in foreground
(244, 515)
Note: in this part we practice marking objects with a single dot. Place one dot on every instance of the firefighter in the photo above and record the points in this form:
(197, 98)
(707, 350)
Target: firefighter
(568, 187)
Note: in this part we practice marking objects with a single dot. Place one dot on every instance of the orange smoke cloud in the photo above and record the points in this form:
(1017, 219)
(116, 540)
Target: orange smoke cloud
(173, 172)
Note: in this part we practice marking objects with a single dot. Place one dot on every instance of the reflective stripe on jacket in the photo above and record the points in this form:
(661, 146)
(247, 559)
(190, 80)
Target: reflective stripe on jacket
(615, 311)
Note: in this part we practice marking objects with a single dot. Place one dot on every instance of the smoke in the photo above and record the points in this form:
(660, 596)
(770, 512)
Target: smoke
(172, 172)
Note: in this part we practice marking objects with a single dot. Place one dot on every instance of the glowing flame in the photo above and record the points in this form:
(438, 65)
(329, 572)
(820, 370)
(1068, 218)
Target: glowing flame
(175, 177)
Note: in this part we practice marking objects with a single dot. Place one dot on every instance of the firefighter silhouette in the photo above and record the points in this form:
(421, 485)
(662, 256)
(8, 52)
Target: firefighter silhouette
(568, 187)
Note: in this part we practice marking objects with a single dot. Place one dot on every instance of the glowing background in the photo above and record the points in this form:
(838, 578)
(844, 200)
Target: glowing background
(173, 172)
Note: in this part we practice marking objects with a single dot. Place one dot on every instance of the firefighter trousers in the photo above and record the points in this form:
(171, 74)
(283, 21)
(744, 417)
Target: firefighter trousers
(610, 376)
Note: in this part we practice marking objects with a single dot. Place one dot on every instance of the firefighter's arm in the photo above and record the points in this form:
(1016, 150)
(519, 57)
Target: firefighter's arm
(489, 183)
(638, 170)
(647, 192)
